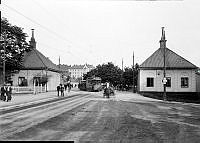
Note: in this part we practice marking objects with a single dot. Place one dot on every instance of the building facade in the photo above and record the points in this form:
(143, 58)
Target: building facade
(77, 71)
(38, 71)
(181, 75)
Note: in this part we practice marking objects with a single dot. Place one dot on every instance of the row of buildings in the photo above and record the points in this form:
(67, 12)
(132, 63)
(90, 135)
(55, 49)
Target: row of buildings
(181, 75)
(77, 71)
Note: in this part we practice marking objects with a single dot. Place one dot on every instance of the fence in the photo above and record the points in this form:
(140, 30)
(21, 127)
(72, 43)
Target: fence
(28, 89)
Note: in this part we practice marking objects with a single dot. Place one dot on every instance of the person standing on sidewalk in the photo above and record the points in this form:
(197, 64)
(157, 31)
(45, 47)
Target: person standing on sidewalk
(8, 92)
(69, 86)
(62, 90)
(58, 89)
(3, 92)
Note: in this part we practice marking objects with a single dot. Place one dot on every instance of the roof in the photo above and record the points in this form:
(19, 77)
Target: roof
(173, 61)
(66, 67)
(36, 60)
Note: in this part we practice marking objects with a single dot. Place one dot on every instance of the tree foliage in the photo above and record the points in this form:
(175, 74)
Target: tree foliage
(113, 74)
(107, 72)
(15, 45)
(13, 40)
(128, 76)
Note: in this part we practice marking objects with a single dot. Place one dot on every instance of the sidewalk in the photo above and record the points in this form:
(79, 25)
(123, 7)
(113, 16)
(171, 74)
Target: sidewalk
(129, 96)
(20, 99)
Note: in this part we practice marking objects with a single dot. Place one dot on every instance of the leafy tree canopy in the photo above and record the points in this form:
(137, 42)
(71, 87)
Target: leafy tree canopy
(113, 74)
(107, 72)
(15, 45)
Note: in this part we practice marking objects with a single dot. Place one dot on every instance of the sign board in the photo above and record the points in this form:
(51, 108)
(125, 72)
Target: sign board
(164, 81)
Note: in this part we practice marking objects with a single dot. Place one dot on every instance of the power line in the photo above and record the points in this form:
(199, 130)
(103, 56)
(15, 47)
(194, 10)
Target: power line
(47, 29)
(60, 21)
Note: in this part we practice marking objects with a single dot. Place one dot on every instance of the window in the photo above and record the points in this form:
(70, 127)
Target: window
(184, 82)
(150, 81)
(168, 84)
(22, 81)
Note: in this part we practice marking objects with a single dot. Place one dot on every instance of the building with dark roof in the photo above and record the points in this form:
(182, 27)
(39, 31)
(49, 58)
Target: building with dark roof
(37, 70)
(180, 73)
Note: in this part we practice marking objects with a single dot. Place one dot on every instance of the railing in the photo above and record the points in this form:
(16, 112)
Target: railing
(28, 89)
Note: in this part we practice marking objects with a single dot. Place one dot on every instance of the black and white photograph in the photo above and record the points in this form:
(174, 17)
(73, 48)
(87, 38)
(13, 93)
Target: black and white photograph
(100, 71)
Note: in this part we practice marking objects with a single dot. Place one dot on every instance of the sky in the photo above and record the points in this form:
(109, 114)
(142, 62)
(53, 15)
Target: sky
(102, 31)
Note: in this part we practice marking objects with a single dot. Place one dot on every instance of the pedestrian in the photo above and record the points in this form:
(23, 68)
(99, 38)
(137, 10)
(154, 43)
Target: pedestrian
(62, 90)
(3, 92)
(65, 86)
(8, 92)
(69, 86)
(58, 89)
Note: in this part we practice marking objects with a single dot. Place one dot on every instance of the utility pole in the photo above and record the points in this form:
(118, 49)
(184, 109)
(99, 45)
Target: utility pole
(122, 65)
(133, 75)
(164, 68)
(4, 60)
(59, 68)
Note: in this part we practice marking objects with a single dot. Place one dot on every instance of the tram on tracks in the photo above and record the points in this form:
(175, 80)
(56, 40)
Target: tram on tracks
(91, 84)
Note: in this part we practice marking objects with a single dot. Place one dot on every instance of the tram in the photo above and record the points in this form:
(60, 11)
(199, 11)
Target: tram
(91, 84)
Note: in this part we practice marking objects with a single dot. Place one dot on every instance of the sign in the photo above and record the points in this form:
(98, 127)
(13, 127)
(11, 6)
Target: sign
(164, 81)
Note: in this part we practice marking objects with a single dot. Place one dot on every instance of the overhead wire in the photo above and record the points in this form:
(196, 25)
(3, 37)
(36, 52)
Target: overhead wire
(47, 29)
(57, 19)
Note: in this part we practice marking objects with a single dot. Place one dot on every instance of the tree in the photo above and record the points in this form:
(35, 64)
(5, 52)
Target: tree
(107, 72)
(15, 45)
(128, 76)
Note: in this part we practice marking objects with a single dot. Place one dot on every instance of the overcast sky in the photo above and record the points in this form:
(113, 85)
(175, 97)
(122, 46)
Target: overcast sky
(97, 32)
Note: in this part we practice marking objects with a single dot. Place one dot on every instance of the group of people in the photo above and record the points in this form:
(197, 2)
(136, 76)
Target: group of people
(6, 92)
(61, 88)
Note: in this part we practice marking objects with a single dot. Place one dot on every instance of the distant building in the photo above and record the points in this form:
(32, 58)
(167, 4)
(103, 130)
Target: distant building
(180, 74)
(77, 71)
(37, 71)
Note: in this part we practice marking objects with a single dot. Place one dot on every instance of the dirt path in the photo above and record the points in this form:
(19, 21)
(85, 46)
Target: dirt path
(114, 120)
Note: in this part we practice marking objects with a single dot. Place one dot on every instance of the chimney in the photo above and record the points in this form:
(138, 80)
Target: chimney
(32, 42)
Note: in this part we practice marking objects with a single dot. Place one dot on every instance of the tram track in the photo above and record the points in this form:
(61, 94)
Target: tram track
(18, 121)
(36, 103)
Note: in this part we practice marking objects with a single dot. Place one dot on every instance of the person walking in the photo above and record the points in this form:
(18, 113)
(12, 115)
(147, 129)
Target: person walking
(8, 92)
(62, 90)
(69, 86)
(65, 86)
(58, 89)
(3, 92)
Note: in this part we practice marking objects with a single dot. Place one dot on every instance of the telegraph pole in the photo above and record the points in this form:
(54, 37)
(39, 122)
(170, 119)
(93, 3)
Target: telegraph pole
(4, 60)
(164, 68)
(133, 74)
(122, 64)
(59, 68)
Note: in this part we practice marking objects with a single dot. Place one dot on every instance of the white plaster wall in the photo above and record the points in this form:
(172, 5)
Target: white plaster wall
(175, 80)
(198, 82)
(53, 80)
